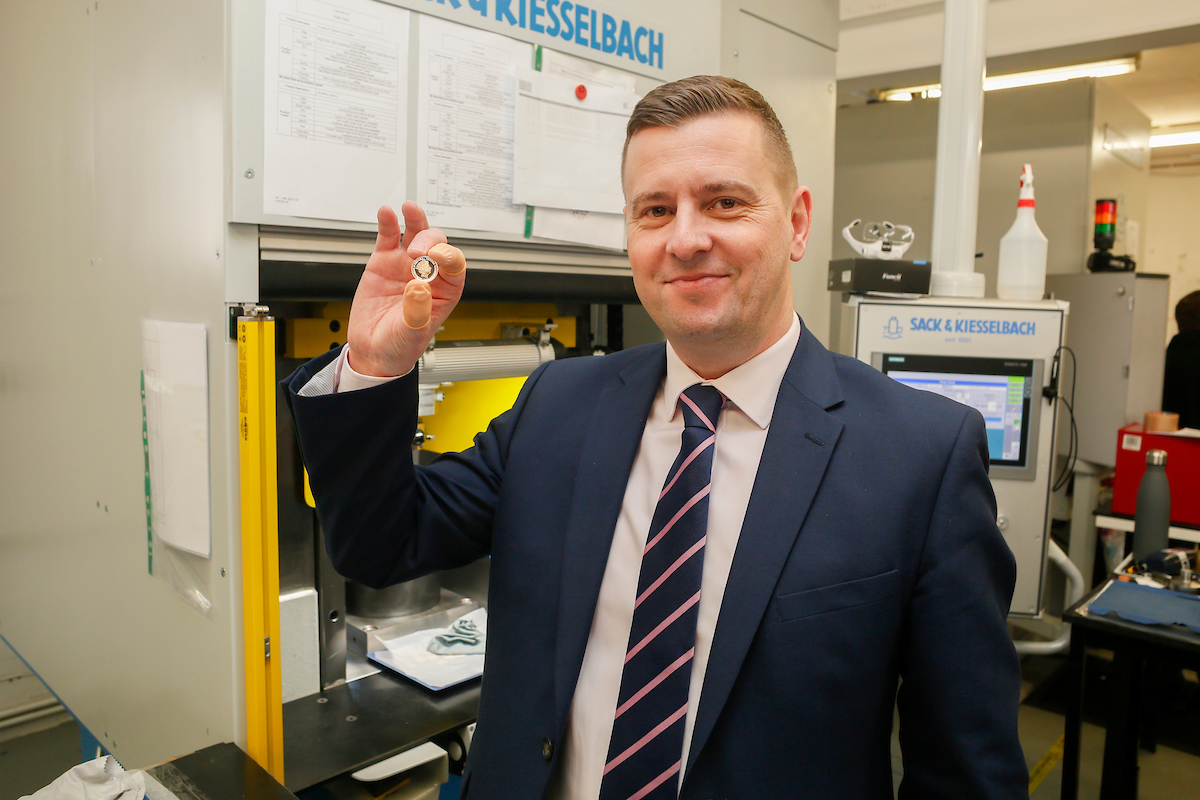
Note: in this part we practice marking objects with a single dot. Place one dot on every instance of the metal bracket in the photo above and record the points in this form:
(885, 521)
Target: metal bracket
(237, 310)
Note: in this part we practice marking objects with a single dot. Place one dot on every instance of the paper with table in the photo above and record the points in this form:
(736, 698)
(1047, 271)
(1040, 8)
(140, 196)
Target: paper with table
(336, 116)
(465, 104)
(335, 107)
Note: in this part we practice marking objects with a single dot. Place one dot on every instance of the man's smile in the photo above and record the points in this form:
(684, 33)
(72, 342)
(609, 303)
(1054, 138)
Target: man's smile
(697, 280)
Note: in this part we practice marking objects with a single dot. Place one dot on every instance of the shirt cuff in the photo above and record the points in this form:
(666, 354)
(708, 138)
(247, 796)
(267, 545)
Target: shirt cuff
(338, 376)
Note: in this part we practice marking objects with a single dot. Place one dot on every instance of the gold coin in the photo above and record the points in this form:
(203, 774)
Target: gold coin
(424, 269)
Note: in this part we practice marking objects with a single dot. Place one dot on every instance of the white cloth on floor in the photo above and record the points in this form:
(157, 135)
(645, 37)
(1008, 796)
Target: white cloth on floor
(100, 779)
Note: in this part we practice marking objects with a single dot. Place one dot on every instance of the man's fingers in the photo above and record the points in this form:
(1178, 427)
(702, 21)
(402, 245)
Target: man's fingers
(423, 242)
(450, 259)
(414, 222)
(417, 304)
(388, 237)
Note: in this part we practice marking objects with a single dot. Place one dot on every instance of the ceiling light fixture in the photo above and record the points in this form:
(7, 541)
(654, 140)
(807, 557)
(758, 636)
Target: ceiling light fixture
(1174, 139)
(1095, 69)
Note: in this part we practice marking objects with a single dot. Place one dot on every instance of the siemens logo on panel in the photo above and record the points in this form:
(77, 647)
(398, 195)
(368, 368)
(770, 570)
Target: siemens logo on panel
(998, 327)
(577, 23)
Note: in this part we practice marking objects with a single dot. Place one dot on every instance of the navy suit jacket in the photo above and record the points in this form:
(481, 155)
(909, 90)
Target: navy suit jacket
(869, 559)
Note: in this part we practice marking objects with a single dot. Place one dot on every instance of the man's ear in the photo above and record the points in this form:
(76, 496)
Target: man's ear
(801, 216)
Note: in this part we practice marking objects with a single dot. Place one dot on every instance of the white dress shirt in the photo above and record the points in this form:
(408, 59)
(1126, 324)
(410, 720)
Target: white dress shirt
(741, 434)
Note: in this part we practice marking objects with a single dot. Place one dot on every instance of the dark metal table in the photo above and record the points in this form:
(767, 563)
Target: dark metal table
(220, 771)
(359, 723)
(1133, 646)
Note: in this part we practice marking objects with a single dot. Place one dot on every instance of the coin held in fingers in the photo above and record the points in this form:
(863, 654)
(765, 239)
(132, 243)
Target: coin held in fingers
(424, 269)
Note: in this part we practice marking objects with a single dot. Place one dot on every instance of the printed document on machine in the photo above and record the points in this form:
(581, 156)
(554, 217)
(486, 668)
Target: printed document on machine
(569, 142)
(593, 228)
(587, 72)
(335, 105)
(466, 106)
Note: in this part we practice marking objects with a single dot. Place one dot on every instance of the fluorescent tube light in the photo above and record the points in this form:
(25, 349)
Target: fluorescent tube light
(1096, 69)
(925, 92)
(1175, 139)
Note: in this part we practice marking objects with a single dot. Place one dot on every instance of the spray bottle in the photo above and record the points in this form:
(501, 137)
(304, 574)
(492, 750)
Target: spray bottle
(1022, 273)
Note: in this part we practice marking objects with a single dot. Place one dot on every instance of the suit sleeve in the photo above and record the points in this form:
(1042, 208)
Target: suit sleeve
(385, 520)
(960, 674)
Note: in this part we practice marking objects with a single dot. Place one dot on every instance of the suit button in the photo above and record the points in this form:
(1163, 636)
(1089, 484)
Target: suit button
(547, 749)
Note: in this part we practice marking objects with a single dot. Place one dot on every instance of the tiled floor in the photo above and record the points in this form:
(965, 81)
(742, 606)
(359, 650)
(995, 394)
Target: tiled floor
(30, 762)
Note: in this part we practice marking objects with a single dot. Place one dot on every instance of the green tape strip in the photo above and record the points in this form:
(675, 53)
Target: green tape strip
(537, 65)
(146, 461)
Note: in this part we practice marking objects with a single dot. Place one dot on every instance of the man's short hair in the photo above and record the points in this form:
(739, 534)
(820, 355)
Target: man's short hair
(1187, 312)
(674, 104)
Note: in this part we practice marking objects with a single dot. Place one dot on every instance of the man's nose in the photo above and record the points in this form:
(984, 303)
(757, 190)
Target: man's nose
(690, 233)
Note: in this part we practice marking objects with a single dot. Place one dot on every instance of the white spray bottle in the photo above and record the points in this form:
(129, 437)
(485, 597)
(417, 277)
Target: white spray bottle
(1022, 273)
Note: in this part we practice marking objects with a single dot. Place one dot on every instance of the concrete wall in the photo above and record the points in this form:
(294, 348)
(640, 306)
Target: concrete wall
(787, 51)
(1172, 246)
(1113, 176)
(26, 705)
(896, 36)
(885, 161)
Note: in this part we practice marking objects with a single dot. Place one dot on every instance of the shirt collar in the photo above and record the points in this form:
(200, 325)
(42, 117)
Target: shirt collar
(752, 386)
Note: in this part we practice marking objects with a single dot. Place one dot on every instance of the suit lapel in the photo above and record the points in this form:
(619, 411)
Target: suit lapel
(799, 445)
(604, 464)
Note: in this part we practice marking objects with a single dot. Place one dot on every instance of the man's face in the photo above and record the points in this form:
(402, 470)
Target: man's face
(711, 234)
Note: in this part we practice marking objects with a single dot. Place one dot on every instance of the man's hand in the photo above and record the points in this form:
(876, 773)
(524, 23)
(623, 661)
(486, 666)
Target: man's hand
(394, 315)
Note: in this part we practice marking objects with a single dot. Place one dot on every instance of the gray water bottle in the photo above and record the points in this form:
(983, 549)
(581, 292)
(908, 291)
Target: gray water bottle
(1153, 514)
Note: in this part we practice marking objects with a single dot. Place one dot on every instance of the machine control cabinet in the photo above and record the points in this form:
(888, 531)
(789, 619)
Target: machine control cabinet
(996, 356)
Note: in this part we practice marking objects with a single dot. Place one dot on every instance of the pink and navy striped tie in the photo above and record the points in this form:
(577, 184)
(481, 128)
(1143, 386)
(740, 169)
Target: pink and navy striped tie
(646, 749)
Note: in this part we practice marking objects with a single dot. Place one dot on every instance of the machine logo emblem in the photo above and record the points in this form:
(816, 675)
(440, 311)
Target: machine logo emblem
(893, 330)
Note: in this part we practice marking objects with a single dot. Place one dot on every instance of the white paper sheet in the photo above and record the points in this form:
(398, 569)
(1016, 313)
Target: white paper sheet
(1187, 433)
(335, 104)
(409, 655)
(580, 227)
(175, 366)
(466, 100)
(568, 152)
(583, 71)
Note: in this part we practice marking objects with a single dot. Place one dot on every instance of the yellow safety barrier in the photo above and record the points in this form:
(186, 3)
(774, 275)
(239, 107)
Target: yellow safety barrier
(260, 541)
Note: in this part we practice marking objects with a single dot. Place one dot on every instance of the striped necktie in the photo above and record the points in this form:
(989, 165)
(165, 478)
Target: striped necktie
(646, 749)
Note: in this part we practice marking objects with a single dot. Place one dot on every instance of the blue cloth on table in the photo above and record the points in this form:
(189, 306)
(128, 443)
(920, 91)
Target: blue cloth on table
(1148, 606)
(463, 638)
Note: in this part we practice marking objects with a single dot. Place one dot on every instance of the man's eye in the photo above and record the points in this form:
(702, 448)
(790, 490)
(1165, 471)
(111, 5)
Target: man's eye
(657, 211)
(726, 203)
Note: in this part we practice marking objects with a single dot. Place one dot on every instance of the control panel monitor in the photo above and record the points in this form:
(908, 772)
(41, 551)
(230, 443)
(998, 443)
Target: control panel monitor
(1006, 391)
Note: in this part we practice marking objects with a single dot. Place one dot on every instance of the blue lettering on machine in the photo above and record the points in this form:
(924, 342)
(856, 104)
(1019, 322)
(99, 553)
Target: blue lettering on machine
(590, 25)
(994, 327)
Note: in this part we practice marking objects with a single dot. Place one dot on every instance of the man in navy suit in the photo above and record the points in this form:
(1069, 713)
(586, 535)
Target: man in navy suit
(853, 564)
